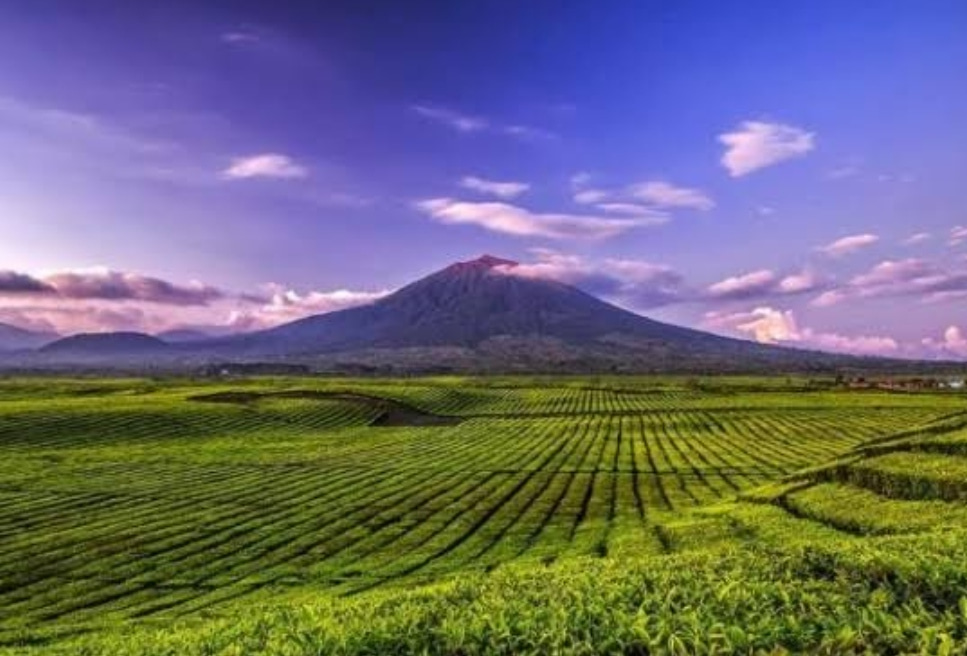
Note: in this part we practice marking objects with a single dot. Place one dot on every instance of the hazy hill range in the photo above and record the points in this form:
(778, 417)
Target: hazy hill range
(476, 316)
(13, 338)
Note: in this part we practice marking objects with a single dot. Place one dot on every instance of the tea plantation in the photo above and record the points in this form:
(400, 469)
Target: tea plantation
(480, 516)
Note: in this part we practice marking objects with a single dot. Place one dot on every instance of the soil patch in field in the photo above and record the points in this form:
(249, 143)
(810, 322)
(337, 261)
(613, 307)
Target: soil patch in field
(391, 412)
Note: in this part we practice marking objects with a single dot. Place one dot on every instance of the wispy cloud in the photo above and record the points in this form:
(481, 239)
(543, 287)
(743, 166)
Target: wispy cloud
(105, 284)
(764, 283)
(497, 188)
(634, 209)
(580, 180)
(452, 119)
(756, 144)
(654, 198)
(917, 238)
(527, 133)
(958, 235)
(848, 245)
(896, 278)
(469, 123)
(521, 222)
(843, 172)
(633, 283)
(98, 299)
(265, 165)
(755, 283)
(240, 37)
(666, 195)
(590, 196)
(78, 136)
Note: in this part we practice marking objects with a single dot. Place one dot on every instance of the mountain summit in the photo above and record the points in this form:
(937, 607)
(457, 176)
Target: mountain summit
(482, 263)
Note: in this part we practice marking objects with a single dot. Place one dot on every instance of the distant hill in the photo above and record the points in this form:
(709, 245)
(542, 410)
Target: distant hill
(106, 345)
(13, 338)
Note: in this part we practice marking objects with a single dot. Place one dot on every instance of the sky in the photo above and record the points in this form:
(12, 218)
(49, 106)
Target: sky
(789, 172)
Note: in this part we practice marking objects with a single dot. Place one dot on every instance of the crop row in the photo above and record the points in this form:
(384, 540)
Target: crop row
(569, 401)
(166, 526)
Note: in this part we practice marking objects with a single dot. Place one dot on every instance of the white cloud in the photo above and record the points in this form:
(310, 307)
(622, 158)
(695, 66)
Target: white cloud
(743, 286)
(757, 144)
(953, 343)
(847, 245)
(798, 283)
(283, 305)
(665, 195)
(521, 222)
(499, 189)
(769, 325)
(766, 325)
(763, 283)
(265, 165)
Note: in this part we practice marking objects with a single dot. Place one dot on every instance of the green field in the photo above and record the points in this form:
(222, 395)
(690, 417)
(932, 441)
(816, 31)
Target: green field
(517, 515)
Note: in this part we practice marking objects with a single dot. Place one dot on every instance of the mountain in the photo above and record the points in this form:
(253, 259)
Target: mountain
(105, 346)
(482, 315)
(13, 338)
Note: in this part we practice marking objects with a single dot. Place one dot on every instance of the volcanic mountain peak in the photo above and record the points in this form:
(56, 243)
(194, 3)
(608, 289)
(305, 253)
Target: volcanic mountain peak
(482, 263)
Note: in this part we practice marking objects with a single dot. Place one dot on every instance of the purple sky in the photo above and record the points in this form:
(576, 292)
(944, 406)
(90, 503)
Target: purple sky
(788, 172)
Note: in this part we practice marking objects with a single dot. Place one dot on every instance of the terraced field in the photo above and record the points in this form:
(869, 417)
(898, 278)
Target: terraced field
(125, 502)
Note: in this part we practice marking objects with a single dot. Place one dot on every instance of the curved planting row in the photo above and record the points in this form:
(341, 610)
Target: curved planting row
(142, 508)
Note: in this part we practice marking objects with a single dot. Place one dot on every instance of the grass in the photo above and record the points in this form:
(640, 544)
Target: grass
(560, 515)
